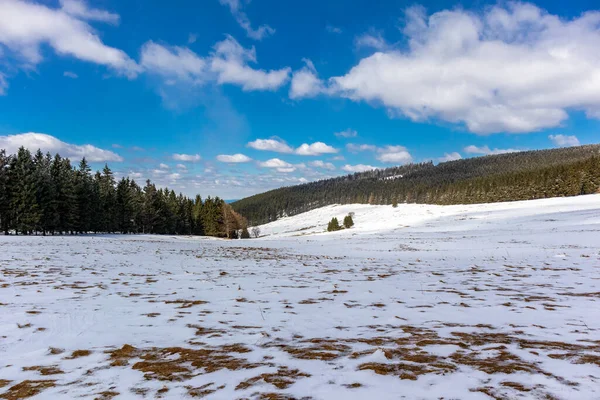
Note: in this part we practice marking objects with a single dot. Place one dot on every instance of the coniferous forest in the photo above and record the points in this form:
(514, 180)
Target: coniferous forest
(506, 177)
(42, 194)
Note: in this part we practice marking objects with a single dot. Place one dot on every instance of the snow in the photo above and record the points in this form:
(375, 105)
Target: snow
(416, 302)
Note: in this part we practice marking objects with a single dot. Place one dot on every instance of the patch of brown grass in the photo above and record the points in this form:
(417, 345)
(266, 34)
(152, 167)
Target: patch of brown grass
(79, 353)
(107, 395)
(27, 389)
(178, 363)
(47, 370)
(282, 379)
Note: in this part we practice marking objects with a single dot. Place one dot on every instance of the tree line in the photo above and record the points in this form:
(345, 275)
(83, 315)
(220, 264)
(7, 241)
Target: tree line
(505, 177)
(45, 194)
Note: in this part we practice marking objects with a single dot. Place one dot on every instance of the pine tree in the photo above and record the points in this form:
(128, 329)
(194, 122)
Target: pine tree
(45, 193)
(348, 222)
(85, 197)
(5, 201)
(245, 234)
(334, 225)
(23, 193)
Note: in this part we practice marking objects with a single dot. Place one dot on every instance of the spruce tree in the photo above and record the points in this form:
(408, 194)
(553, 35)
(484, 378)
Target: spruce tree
(24, 193)
(5, 202)
(348, 222)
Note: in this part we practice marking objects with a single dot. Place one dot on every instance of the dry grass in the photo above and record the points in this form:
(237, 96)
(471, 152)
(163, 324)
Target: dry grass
(27, 389)
(180, 364)
(282, 379)
(47, 370)
(79, 353)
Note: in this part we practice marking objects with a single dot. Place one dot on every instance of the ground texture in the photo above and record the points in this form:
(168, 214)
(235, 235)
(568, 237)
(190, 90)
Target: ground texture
(418, 302)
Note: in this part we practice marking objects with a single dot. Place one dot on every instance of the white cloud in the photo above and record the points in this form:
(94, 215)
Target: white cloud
(271, 145)
(192, 37)
(358, 168)
(25, 27)
(79, 9)
(70, 74)
(564, 140)
(34, 141)
(278, 164)
(355, 148)
(450, 157)
(230, 64)
(348, 133)
(173, 62)
(394, 154)
(485, 150)
(187, 157)
(163, 166)
(242, 19)
(387, 154)
(227, 64)
(315, 149)
(371, 40)
(305, 82)
(513, 68)
(322, 164)
(235, 158)
(181, 166)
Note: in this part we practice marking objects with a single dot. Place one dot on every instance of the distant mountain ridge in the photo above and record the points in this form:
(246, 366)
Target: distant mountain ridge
(524, 175)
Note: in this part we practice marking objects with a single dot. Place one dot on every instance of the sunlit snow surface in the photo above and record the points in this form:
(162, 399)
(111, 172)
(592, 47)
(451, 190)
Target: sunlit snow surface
(415, 302)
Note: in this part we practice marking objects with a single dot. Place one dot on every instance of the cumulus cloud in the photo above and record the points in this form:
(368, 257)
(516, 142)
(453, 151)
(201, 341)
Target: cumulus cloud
(450, 157)
(242, 19)
(358, 168)
(187, 157)
(305, 82)
(271, 145)
(322, 164)
(394, 154)
(564, 140)
(163, 166)
(47, 143)
(25, 27)
(348, 133)
(227, 64)
(235, 158)
(278, 164)
(485, 150)
(512, 68)
(386, 154)
(230, 64)
(173, 62)
(315, 149)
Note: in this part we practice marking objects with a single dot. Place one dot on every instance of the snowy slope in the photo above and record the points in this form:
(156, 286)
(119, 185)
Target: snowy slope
(418, 302)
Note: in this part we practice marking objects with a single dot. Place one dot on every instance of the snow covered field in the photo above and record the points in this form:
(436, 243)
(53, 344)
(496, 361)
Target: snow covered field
(418, 302)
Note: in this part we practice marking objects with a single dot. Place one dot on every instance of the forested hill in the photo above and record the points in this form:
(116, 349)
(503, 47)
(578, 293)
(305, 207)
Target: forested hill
(505, 177)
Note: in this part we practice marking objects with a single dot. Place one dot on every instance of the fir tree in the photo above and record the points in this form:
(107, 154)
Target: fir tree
(348, 222)
(245, 234)
(334, 225)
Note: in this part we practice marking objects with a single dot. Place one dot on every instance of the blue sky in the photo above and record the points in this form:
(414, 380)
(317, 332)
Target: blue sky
(234, 97)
